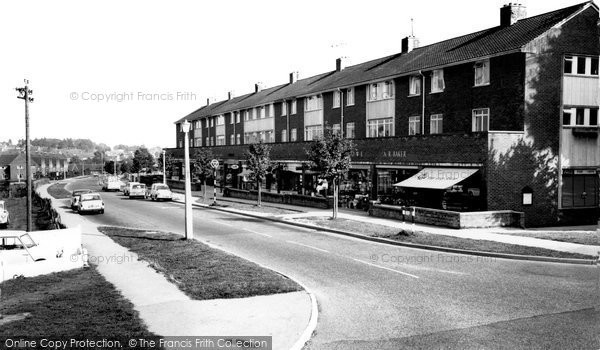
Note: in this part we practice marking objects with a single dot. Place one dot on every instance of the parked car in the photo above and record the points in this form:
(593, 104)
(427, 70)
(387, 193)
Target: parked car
(136, 189)
(90, 202)
(18, 246)
(4, 215)
(160, 191)
(75, 197)
(128, 186)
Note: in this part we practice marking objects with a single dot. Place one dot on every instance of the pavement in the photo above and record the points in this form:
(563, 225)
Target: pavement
(496, 234)
(167, 311)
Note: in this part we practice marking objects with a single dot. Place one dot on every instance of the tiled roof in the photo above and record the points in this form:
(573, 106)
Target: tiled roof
(484, 43)
(6, 159)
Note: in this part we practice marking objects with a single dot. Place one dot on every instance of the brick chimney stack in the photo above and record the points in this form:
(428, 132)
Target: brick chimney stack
(511, 13)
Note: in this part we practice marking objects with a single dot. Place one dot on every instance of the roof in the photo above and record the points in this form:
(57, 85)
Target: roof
(484, 43)
(6, 159)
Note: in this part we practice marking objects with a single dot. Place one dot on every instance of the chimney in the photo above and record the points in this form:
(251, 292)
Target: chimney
(293, 77)
(258, 87)
(409, 43)
(230, 95)
(210, 100)
(511, 13)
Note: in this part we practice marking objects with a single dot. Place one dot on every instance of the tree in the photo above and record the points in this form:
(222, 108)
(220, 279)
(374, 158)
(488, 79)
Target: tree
(202, 167)
(169, 161)
(142, 159)
(126, 166)
(109, 167)
(330, 155)
(258, 159)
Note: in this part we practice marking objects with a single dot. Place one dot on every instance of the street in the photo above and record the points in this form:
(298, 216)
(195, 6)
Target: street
(374, 296)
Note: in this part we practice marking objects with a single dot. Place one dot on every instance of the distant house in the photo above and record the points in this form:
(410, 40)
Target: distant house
(12, 167)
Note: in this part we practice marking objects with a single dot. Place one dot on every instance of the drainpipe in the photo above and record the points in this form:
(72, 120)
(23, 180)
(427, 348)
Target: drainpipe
(423, 103)
(287, 118)
(341, 112)
(233, 115)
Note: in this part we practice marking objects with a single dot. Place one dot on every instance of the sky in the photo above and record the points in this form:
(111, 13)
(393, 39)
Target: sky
(122, 72)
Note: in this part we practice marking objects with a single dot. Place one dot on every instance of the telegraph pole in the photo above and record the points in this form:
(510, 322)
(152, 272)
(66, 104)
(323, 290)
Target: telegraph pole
(25, 94)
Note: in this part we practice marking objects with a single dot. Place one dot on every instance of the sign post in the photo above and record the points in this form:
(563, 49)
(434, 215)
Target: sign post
(215, 164)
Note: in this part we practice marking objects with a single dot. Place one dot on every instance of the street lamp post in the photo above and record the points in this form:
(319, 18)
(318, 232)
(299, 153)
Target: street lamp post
(25, 94)
(189, 231)
(165, 167)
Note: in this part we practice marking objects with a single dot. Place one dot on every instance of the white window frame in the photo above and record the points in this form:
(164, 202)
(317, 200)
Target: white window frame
(221, 140)
(437, 81)
(232, 139)
(480, 120)
(336, 99)
(350, 126)
(284, 135)
(220, 120)
(414, 85)
(283, 108)
(484, 77)
(313, 103)
(313, 132)
(294, 107)
(294, 135)
(377, 128)
(350, 96)
(238, 139)
(436, 124)
(383, 90)
(237, 117)
(336, 129)
(414, 125)
(586, 117)
(231, 118)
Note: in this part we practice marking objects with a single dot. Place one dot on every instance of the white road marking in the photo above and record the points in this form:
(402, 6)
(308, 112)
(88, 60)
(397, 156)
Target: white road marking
(386, 268)
(258, 233)
(309, 246)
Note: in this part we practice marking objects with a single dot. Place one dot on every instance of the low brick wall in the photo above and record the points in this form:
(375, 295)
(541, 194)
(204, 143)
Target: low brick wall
(293, 199)
(180, 185)
(448, 218)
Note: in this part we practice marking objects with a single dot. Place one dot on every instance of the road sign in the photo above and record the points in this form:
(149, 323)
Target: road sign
(214, 163)
(235, 167)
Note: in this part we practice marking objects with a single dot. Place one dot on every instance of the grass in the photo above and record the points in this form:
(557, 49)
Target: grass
(58, 191)
(579, 237)
(255, 208)
(420, 237)
(68, 304)
(199, 271)
(17, 207)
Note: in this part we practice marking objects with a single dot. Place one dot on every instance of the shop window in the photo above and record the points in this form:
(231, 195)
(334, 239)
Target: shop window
(579, 189)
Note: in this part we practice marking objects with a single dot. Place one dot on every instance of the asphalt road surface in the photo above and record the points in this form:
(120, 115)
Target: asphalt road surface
(374, 296)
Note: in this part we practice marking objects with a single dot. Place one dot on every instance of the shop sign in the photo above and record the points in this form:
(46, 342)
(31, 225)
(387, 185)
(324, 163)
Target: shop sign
(394, 154)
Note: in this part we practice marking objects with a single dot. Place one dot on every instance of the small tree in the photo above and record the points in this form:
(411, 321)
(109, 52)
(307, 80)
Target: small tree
(330, 155)
(258, 159)
(142, 159)
(202, 167)
(109, 167)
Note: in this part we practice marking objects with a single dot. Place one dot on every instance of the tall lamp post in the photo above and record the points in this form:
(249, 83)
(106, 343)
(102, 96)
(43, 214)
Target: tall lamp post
(189, 231)
(25, 94)
(165, 167)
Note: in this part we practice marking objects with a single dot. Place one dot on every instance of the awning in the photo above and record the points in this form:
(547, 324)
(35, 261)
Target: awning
(437, 178)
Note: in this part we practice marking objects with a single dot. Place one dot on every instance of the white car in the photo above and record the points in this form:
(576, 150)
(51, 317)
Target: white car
(90, 202)
(75, 197)
(4, 215)
(136, 189)
(18, 246)
(160, 191)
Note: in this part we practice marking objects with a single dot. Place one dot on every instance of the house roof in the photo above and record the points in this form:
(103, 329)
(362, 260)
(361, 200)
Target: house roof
(484, 43)
(6, 159)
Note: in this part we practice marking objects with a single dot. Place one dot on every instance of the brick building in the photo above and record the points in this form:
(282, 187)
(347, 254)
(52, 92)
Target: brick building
(505, 118)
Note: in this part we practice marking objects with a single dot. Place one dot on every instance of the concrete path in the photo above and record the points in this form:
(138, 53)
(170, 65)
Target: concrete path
(489, 234)
(167, 311)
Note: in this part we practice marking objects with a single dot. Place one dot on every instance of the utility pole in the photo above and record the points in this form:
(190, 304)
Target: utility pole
(25, 94)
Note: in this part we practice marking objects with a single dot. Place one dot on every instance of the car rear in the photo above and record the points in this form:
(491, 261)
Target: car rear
(162, 192)
(90, 202)
(137, 191)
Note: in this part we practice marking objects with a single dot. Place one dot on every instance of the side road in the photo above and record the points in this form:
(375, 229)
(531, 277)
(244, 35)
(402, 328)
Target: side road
(490, 234)
(167, 311)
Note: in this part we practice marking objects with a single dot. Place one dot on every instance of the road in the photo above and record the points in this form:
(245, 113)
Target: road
(374, 296)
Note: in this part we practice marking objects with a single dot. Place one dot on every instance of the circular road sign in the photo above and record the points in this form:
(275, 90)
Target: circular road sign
(214, 163)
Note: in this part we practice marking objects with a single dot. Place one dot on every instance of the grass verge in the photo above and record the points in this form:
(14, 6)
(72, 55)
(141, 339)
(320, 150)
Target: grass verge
(198, 270)
(420, 237)
(58, 191)
(253, 207)
(579, 237)
(77, 303)
(17, 207)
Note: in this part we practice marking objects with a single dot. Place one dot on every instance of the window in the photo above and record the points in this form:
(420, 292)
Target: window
(221, 140)
(206, 141)
(237, 117)
(593, 117)
(313, 132)
(350, 130)
(211, 122)
(380, 127)
(350, 97)
(568, 66)
(252, 114)
(180, 144)
(581, 65)
(293, 135)
(198, 142)
(336, 129)
(379, 91)
(580, 116)
(481, 118)
(232, 139)
(284, 108)
(293, 107)
(270, 111)
(567, 117)
(414, 83)
(252, 137)
(284, 135)
(231, 118)
(436, 124)
(482, 73)
(336, 99)
(586, 117)
(579, 188)
(594, 67)
(437, 81)
(261, 112)
(238, 139)
(220, 120)
(197, 125)
(212, 141)
(246, 115)
(414, 125)
(313, 103)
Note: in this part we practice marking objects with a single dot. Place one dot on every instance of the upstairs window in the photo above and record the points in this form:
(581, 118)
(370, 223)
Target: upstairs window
(481, 119)
(313, 103)
(568, 65)
(237, 117)
(336, 129)
(284, 135)
(414, 125)
(293, 135)
(350, 97)
(482, 73)
(414, 85)
(261, 112)
(336, 99)
(232, 118)
(380, 91)
(350, 130)
(293, 109)
(580, 117)
(437, 81)
(220, 120)
(436, 124)
(284, 108)
(580, 65)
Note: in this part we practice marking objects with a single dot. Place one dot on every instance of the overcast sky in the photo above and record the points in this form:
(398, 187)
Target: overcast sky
(153, 62)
